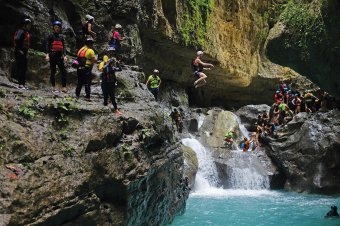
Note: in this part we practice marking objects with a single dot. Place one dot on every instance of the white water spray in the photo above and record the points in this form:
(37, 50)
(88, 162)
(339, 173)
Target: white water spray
(206, 176)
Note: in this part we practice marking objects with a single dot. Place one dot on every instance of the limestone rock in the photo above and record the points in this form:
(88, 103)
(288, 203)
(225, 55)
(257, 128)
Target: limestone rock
(190, 165)
(307, 152)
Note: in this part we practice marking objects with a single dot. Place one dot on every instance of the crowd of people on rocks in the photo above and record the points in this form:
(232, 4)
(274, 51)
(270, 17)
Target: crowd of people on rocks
(86, 58)
(55, 55)
(287, 103)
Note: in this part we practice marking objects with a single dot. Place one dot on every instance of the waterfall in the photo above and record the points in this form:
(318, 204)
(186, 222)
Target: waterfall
(239, 171)
(207, 174)
(245, 171)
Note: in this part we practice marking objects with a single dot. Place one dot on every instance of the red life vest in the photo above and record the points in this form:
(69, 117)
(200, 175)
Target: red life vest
(57, 45)
(27, 39)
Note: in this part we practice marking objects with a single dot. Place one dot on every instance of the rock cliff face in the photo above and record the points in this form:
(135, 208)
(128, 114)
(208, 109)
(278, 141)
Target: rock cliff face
(306, 40)
(69, 162)
(162, 34)
(307, 152)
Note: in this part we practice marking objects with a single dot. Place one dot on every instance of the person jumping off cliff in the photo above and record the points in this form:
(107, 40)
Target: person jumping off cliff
(198, 66)
(56, 55)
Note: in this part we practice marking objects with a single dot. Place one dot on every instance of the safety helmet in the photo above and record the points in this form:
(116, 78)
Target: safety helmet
(278, 91)
(89, 17)
(56, 23)
(111, 48)
(334, 208)
(118, 26)
(155, 71)
(26, 21)
(199, 53)
(89, 40)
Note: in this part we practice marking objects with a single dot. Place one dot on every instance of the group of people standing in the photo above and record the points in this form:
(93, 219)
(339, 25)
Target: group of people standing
(55, 54)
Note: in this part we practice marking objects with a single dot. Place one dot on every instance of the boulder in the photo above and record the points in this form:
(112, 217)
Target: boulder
(190, 165)
(307, 152)
(248, 114)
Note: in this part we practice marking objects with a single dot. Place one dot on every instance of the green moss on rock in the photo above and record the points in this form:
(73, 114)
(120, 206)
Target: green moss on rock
(195, 21)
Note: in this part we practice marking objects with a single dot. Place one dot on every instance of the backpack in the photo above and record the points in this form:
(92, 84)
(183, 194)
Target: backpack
(81, 57)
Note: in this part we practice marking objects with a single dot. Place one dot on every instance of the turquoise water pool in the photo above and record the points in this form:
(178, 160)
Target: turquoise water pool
(243, 207)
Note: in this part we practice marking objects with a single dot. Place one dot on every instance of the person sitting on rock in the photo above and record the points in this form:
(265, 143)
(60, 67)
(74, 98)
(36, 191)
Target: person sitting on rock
(177, 118)
(265, 117)
(228, 138)
(155, 81)
(333, 212)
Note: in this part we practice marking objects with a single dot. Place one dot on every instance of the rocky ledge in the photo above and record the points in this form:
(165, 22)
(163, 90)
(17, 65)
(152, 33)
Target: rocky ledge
(65, 161)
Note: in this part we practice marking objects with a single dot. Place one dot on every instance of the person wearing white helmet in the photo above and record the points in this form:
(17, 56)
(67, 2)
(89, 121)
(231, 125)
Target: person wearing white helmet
(198, 66)
(86, 59)
(22, 40)
(155, 81)
(116, 39)
(87, 27)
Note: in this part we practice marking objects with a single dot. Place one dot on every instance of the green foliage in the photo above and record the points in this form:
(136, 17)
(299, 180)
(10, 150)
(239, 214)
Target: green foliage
(305, 26)
(63, 107)
(28, 108)
(196, 20)
(68, 151)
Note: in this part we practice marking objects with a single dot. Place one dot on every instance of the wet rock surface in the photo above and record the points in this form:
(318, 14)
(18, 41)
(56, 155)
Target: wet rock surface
(67, 161)
(307, 152)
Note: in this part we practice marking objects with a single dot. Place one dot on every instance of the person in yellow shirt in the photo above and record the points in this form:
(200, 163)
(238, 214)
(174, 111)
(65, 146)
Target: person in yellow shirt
(155, 81)
(86, 59)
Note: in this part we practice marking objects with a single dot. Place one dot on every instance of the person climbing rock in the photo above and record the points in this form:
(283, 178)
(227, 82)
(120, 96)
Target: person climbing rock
(246, 143)
(56, 55)
(333, 212)
(228, 138)
(198, 66)
(109, 81)
(87, 27)
(309, 101)
(117, 39)
(177, 119)
(86, 58)
(155, 82)
(22, 39)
